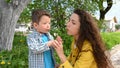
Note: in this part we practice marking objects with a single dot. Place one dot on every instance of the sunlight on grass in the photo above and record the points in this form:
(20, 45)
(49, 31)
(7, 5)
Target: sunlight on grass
(111, 39)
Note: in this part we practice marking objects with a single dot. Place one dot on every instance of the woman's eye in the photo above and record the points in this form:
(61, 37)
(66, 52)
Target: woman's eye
(73, 23)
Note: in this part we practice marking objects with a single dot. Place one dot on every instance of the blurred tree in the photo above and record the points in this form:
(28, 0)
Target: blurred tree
(10, 11)
(117, 26)
(103, 10)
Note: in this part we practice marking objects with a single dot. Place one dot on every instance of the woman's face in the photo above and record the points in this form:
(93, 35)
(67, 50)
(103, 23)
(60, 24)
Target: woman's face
(73, 25)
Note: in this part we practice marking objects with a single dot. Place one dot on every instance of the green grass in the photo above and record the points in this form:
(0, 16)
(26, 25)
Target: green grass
(18, 56)
(111, 39)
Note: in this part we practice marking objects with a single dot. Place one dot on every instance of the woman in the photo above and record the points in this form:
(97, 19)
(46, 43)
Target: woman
(87, 49)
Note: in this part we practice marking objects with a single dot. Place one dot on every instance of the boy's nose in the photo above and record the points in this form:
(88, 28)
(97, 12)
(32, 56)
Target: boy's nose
(48, 26)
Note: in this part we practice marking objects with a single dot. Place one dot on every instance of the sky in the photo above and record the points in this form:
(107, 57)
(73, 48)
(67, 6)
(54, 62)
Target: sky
(114, 11)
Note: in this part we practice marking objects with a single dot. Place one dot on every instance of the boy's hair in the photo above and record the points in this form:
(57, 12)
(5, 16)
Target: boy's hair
(37, 14)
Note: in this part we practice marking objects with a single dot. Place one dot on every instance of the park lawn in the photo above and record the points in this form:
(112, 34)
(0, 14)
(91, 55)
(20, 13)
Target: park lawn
(111, 39)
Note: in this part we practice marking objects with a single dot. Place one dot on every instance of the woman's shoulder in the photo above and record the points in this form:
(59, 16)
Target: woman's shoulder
(87, 46)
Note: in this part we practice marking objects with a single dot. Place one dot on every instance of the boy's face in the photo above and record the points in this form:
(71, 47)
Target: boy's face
(44, 24)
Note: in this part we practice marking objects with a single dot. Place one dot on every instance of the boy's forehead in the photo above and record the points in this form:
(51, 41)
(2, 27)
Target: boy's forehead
(45, 19)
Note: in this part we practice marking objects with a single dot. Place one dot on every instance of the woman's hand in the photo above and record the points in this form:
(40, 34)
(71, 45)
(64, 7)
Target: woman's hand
(59, 39)
(59, 49)
(57, 65)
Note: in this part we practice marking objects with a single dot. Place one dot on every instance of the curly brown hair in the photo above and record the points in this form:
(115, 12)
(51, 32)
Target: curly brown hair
(90, 32)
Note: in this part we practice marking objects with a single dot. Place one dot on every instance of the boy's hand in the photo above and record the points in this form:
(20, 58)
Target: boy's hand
(50, 43)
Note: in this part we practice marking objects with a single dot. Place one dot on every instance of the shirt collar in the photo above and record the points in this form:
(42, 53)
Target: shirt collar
(36, 32)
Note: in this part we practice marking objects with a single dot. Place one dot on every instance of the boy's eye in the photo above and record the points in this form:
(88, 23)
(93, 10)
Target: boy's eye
(44, 23)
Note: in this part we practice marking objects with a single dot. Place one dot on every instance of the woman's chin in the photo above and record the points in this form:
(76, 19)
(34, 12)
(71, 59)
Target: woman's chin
(68, 33)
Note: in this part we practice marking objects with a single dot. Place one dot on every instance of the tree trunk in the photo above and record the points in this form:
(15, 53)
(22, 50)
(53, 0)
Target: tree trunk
(9, 14)
(103, 11)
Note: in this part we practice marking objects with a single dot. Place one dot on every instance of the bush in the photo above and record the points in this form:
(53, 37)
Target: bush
(117, 26)
(18, 56)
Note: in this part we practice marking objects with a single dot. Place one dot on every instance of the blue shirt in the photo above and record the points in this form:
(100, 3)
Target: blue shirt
(48, 60)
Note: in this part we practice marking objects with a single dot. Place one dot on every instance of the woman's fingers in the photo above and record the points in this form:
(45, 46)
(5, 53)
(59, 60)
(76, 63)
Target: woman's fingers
(55, 44)
(59, 39)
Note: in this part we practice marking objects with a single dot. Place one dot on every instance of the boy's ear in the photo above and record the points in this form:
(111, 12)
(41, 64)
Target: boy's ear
(35, 25)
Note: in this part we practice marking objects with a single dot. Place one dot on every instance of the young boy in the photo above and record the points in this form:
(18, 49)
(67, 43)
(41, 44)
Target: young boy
(40, 41)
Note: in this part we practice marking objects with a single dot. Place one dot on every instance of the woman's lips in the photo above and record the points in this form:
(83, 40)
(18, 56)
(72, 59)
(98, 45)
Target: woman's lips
(67, 29)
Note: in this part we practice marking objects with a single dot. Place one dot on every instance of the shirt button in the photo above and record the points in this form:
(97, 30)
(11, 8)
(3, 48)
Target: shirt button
(73, 55)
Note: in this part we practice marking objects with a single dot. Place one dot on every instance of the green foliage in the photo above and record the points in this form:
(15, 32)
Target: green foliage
(18, 56)
(60, 11)
(117, 26)
(102, 26)
(8, 1)
(111, 39)
(58, 8)
(25, 16)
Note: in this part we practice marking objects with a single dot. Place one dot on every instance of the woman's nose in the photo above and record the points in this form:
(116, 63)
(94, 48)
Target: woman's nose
(67, 24)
